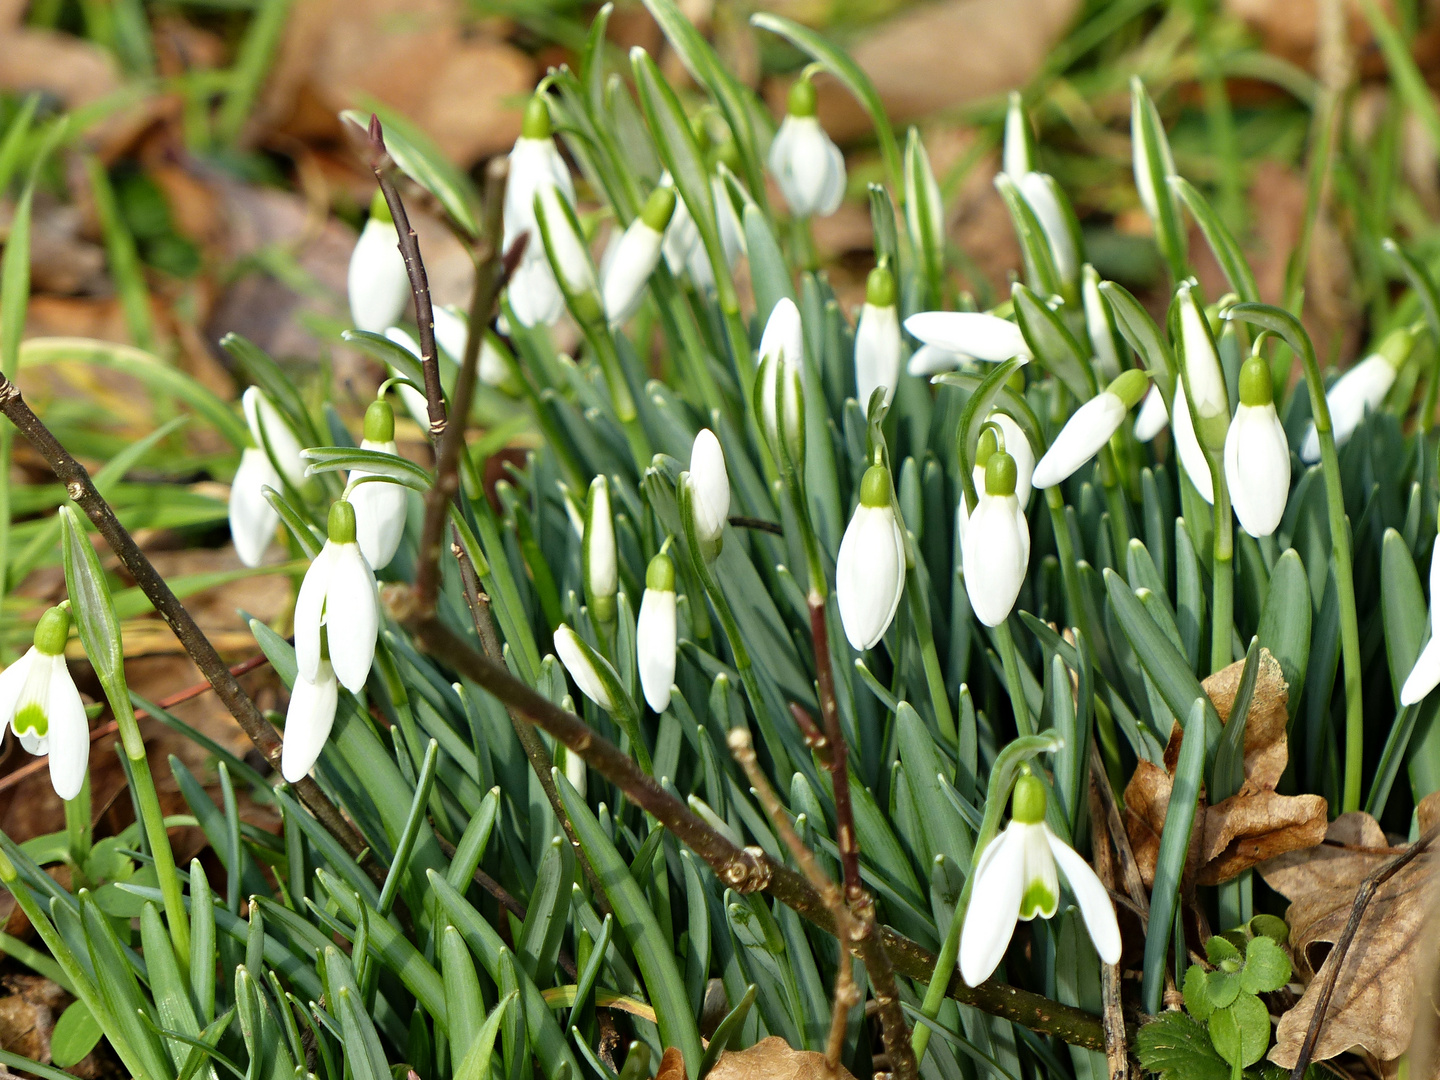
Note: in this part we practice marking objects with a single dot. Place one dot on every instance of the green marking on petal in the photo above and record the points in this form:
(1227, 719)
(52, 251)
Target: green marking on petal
(31, 717)
(1038, 899)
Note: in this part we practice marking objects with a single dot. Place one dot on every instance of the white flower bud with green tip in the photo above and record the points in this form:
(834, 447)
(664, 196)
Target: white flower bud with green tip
(564, 244)
(877, 339)
(806, 164)
(1204, 378)
(655, 633)
(1099, 324)
(709, 484)
(379, 504)
(870, 568)
(1018, 877)
(582, 662)
(1153, 416)
(1187, 446)
(339, 594)
(1045, 198)
(252, 519)
(1019, 154)
(1090, 428)
(270, 429)
(309, 718)
(377, 282)
(636, 255)
(1257, 454)
(996, 544)
(1360, 390)
(973, 333)
(780, 381)
(602, 575)
(39, 702)
(1147, 152)
(1425, 674)
(535, 164)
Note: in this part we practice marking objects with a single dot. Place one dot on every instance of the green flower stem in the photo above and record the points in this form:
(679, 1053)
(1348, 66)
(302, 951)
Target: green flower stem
(930, 659)
(1065, 552)
(1115, 501)
(153, 819)
(1223, 606)
(1287, 326)
(1006, 642)
(997, 797)
(77, 831)
(620, 397)
(680, 328)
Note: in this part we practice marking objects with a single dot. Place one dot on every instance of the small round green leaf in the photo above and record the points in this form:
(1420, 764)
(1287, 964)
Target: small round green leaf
(75, 1035)
(1222, 987)
(1270, 926)
(1267, 968)
(1241, 1032)
(1218, 950)
(1197, 998)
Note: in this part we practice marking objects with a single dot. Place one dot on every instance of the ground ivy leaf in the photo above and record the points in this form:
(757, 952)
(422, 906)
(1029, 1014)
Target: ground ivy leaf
(1178, 1048)
(1267, 968)
(1240, 1032)
(1197, 999)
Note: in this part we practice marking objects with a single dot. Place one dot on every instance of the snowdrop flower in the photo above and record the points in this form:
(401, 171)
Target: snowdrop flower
(870, 568)
(534, 294)
(808, 167)
(602, 576)
(1205, 381)
(1360, 390)
(780, 381)
(1187, 446)
(932, 360)
(270, 429)
(682, 235)
(377, 282)
(1014, 442)
(252, 518)
(452, 334)
(1056, 220)
(709, 485)
(414, 401)
(1147, 144)
(582, 662)
(1018, 877)
(655, 633)
(379, 504)
(309, 718)
(565, 245)
(995, 546)
(1099, 323)
(974, 333)
(1153, 417)
(1425, 675)
(877, 339)
(535, 164)
(1019, 153)
(636, 255)
(1257, 455)
(339, 594)
(39, 702)
(1090, 428)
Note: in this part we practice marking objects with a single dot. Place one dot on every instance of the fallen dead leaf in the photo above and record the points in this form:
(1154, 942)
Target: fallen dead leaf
(1252, 825)
(1373, 1006)
(775, 1059)
(672, 1065)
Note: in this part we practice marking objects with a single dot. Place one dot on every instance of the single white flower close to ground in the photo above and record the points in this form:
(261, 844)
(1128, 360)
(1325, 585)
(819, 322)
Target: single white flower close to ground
(870, 568)
(655, 633)
(1257, 454)
(878, 344)
(39, 702)
(806, 164)
(1018, 877)
(379, 504)
(995, 547)
(339, 594)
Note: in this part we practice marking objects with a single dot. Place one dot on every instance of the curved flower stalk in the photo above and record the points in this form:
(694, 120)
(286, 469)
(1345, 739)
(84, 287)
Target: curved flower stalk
(1360, 390)
(996, 544)
(1257, 454)
(637, 252)
(1000, 432)
(338, 594)
(377, 282)
(870, 568)
(1425, 674)
(806, 164)
(1018, 877)
(655, 633)
(877, 339)
(1090, 428)
(971, 333)
(39, 702)
(379, 505)
(535, 167)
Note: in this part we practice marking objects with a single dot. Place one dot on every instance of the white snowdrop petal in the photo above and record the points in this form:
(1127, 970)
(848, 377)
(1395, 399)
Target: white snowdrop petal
(995, 548)
(12, 681)
(69, 735)
(1036, 189)
(709, 486)
(309, 609)
(252, 519)
(877, 352)
(1039, 870)
(567, 648)
(1257, 468)
(452, 331)
(1087, 430)
(533, 292)
(1424, 676)
(932, 360)
(974, 333)
(634, 259)
(994, 907)
(1096, 907)
(379, 514)
(378, 285)
(308, 721)
(655, 646)
(784, 335)
(1153, 417)
(869, 575)
(1187, 446)
(352, 617)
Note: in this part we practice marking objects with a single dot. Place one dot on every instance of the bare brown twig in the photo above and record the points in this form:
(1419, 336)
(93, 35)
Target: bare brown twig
(1116, 1040)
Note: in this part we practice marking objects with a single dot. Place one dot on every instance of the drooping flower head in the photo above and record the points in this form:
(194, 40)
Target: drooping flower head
(636, 255)
(877, 339)
(655, 633)
(1360, 390)
(339, 594)
(535, 167)
(39, 702)
(309, 717)
(806, 164)
(377, 282)
(1090, 428)
(995, 546)
(379, 504)
(870, 568)
(1257, 454)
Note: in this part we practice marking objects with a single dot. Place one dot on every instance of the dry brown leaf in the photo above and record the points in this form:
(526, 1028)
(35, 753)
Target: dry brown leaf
(775, 1059)
(1252, 825)
(672, 1065)
(1373, 1006)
